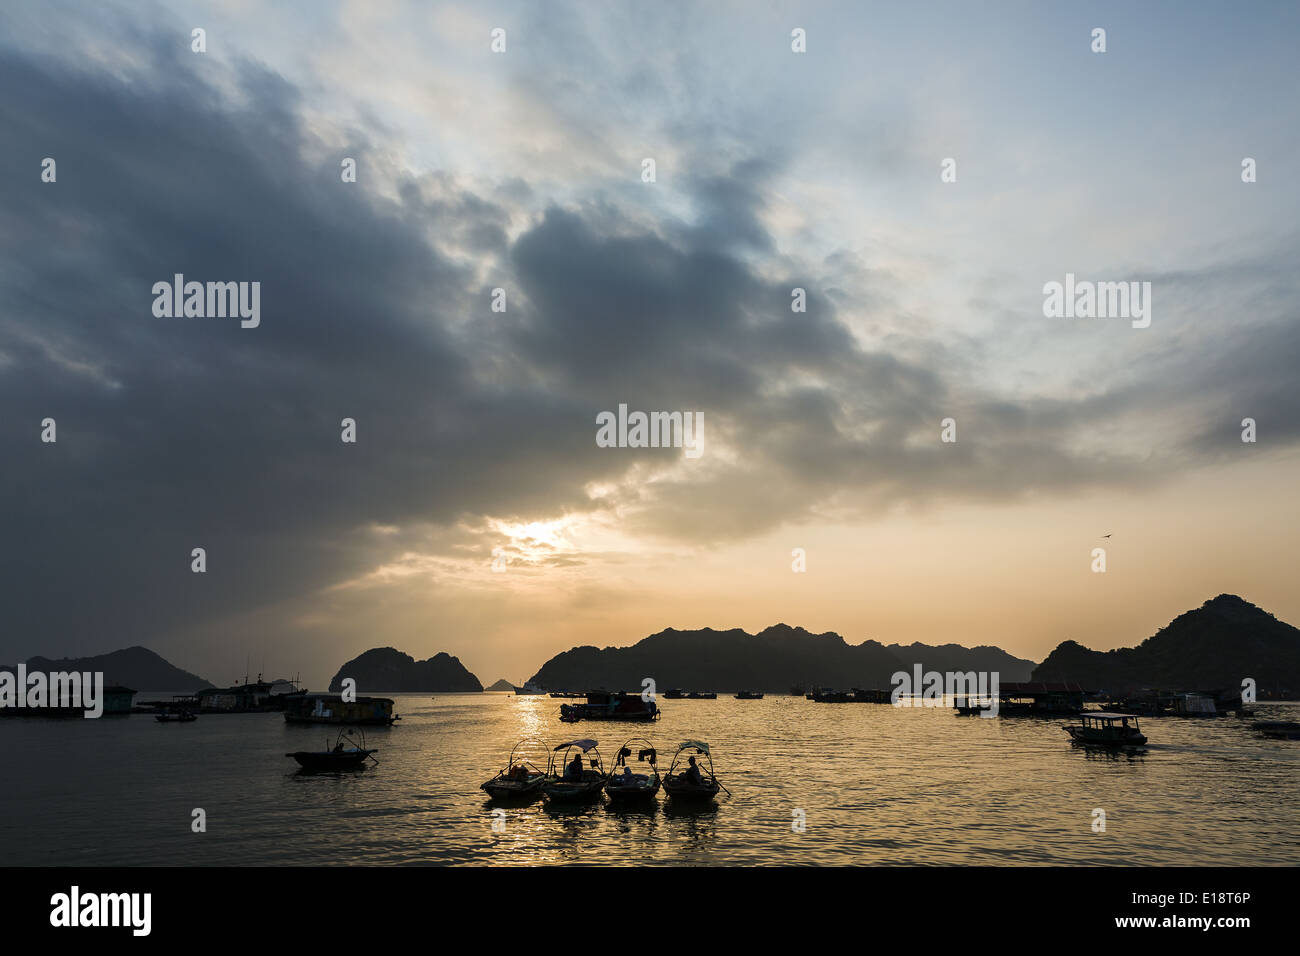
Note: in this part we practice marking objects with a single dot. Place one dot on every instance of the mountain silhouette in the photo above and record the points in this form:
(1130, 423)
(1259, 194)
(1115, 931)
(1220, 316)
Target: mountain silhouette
(1213, 647)
(136, 667)
(386, 669)
(772, 660)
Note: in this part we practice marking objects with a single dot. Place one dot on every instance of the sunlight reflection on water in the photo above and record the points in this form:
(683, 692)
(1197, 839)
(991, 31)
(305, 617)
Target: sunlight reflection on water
(877, 785)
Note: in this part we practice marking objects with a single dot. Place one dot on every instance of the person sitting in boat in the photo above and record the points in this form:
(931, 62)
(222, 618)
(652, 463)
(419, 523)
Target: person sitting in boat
(575, 767)
(693, 775)
(628, 777)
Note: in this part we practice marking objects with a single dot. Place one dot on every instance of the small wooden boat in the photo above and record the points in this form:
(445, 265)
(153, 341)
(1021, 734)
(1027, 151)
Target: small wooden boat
(1278, 729)
(181, 717)
(521, 779)
(693, 783)
(339, 757)
(1107, 730)
(570, 780)
(628, 787)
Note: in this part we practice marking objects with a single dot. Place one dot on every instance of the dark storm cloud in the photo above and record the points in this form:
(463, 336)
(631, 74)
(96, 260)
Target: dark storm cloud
(177, 433)
(180, 433)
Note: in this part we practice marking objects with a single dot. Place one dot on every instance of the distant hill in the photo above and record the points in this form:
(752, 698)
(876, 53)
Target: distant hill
(383, 669)
(502, 684)
(136, 667)
(1210, 648)
(955, 657)
(772, 660)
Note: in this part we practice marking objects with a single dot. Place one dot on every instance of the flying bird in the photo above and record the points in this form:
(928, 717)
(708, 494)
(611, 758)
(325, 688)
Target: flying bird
(1105, 536)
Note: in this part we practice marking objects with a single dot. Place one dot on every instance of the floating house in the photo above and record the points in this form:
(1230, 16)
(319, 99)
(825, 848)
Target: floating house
(602, 705)
(333, 709)
(855, 695)
(256, 695)
(1158, 703)
(1037, 699)
(118, 699)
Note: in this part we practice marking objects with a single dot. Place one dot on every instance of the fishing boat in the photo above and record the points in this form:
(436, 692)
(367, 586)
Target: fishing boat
(1278, 729)
(334, 709)
(749, 695)
(521, 779)
(1107, 730)
(180, 717)
(627, 786)
(569, 780)
(601, 705)
(340, 756)
(828, 695)
(692, 782)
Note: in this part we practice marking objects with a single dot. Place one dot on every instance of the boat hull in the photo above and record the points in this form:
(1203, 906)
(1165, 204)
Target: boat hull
(690, 793)
(1084, 735)
(573, 716)
(347, 760)
(340, 721)
(1278, 729)
(573, 791)
(499, 789)
(639, 793)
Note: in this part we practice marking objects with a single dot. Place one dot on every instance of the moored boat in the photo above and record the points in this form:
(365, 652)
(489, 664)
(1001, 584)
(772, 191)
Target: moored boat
(601, 705)
(694, 782)
(521, 779)
(338, 757)
(333, 709)
(570, 780)
(627, 786)
(1278, 729)
(1107, 730)
(749, 695)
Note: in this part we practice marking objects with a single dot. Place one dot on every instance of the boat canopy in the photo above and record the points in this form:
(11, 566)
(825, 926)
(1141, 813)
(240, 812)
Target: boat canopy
(697, 744)
(585, 744)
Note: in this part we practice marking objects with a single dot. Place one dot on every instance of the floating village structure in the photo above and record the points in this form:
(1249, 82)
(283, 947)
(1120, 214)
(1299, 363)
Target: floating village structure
(333, 709)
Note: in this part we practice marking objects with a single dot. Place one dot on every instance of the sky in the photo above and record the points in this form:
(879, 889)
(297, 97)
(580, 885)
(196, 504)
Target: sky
(476, 513)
